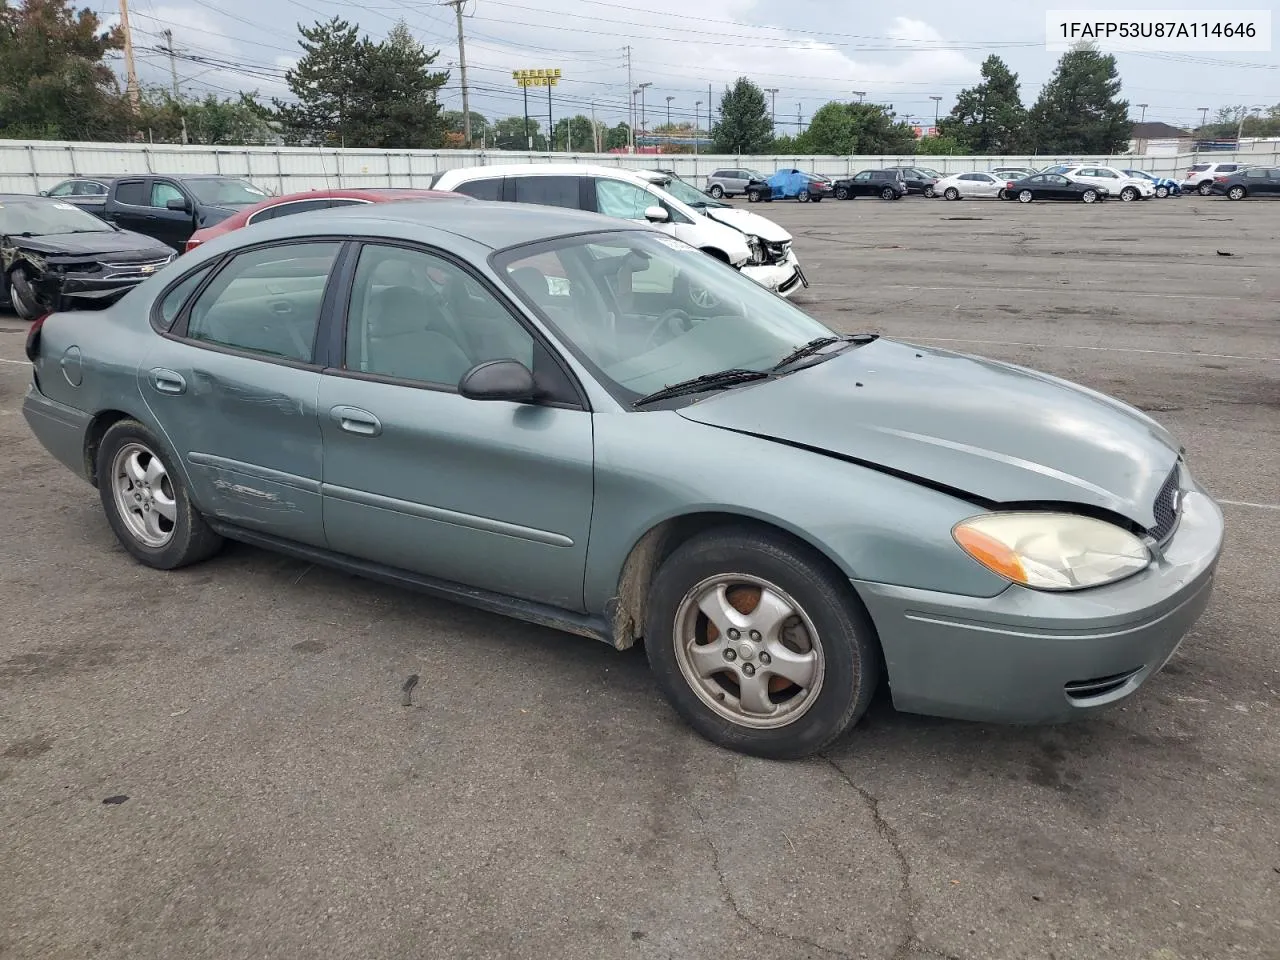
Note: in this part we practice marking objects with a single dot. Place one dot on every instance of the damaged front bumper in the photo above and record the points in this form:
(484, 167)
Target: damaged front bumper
(99, 283)
(784, 277)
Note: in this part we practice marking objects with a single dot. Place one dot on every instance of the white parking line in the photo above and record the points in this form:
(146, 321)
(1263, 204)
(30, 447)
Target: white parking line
(22, 363)
(1255, 506)
(1073, 346)
(1077, 289)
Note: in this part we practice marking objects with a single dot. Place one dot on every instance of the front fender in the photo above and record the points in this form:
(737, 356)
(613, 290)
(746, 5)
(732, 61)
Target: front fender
(656, 466)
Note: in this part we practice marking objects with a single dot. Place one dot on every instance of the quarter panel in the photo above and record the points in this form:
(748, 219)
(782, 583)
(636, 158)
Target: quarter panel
(654, 466)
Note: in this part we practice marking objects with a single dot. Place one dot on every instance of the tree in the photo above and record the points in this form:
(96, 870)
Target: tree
(54, 83)
(943, 146)
(323, 81)
(581, 141)
(617, 138)
(855, 128)
(454, 128)
(744, 125)
(988, 118)
(510, 134)
(1079, 110)
(212, 120)
(394, 102)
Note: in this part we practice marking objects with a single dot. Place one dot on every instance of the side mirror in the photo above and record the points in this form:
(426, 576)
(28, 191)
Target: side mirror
(177, 203)
(44, 193)
(498, 380)
(656, 215)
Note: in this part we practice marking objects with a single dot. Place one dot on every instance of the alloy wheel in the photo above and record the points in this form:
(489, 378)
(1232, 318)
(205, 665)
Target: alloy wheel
(143, 494)
(1026, 196)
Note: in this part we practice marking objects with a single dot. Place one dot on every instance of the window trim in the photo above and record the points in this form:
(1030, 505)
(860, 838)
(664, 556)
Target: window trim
(178, 331)
(333, 352)
(346, 201)
(156, 318)
(165, 181)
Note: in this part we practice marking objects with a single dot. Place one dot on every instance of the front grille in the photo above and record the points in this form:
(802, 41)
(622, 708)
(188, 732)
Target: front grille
(1166, 508)
(1099, 686)
(777, 252)
(138, 269)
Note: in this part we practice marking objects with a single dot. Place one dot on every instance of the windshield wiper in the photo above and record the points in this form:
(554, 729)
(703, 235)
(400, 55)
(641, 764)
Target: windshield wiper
(813, 346)
(708, 381)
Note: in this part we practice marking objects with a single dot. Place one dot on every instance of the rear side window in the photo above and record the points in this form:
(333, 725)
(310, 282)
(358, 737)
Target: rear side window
(132, 192)
(490, 189)
(266, 301)
(722, 174)
(1229, 167)
(548, 191)
(63, 190)
(1200, 168)
(172, 303)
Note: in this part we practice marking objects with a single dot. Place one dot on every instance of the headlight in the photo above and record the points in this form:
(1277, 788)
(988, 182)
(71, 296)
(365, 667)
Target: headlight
(756, 246)
(1052, 551)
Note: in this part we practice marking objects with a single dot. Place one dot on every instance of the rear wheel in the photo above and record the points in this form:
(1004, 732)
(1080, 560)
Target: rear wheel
(1089, 196)
(146, 503)
(759, 644)
(804, 196)
(22, 296)
(1237, 192)
(842, 193)
(1205, 188)
(1025, 196)
(951, 193)
(888, 193)
(1001, 194)
(928, 191)
(1162, 192)
(1129, 193)
(716, 191)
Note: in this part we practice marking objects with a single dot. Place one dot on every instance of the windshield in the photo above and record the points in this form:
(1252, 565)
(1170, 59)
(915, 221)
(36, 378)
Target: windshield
(643, 310)
(47, 217)
(225, 191)
(930, 172)
(688, 194)
(756, 175)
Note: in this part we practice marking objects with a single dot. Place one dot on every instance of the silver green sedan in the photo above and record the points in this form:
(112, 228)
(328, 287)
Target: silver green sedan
(587, 424)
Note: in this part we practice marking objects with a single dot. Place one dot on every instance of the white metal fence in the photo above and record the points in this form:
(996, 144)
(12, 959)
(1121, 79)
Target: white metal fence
(28, 166)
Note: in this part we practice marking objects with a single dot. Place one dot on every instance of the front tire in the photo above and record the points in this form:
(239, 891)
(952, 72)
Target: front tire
(717, 191)
(842, 193)
(1089, 196)
(1128, 194)
(1237, 192)
(753, 196)
(22, 296)
(145, 502)
(1026, 196)
(951, 193)
(759, 644)
(1162, 192)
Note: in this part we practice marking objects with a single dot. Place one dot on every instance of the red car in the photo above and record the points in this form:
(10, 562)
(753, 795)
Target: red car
(310, 200)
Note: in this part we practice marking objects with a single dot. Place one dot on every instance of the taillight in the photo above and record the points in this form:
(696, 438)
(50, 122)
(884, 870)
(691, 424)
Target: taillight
(33, 337)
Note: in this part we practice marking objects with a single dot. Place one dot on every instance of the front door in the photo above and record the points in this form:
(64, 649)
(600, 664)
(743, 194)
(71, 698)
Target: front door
(234, 387)
(490, 494)
(173, 227)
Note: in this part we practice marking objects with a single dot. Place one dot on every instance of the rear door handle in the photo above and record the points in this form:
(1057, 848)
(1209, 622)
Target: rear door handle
(355, 420)
(166, 381)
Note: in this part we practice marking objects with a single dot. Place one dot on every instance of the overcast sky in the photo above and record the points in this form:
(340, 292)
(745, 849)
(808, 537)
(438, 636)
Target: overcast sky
(897, 54)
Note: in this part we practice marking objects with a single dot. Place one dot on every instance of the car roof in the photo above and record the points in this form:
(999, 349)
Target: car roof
(28, 198)
(490, 223)
(546, 169)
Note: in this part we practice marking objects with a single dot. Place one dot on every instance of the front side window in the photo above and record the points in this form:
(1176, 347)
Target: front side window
(417, 316)
(162, 193)
(266, 301)
(862, 177)
(615, 198)
(644, 310)
(548, 191)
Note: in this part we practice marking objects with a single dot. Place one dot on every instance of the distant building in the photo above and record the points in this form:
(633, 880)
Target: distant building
(1159, 139)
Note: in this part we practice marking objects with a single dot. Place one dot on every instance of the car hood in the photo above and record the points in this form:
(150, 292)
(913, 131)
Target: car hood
(90, 244)
(749, 223)
(995, 432)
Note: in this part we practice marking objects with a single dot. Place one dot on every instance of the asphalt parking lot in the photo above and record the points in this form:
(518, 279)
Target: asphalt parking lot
(539, 799)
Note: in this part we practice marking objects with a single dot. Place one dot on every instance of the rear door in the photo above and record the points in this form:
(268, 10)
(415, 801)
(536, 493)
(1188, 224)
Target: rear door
(234, 385)
(130, 205)
(548, 191)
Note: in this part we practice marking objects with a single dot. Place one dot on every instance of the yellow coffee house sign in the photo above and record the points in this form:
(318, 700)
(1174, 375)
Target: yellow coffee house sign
(536, 78)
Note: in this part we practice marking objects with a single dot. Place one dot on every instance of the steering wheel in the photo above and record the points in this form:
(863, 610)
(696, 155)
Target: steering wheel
(675, 321)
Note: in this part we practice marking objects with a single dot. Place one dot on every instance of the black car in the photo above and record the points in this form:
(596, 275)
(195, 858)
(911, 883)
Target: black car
(917, 180)
(55, 256)
(885, 184)
(1053, 186)
(1249, 182)
(172, 208)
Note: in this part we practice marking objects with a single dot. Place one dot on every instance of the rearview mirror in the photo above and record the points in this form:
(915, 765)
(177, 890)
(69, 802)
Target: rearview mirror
(177, 203)
(656, 215)
(498, 380)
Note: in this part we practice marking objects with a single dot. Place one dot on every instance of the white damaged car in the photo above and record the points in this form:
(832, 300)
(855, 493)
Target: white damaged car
(757, 246)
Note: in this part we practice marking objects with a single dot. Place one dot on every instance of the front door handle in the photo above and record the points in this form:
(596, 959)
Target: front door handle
(355, 420)
(166, 381)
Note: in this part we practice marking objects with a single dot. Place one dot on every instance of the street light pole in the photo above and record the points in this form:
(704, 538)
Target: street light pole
(669, 99)
(642, 120)
(1204, 115)
(697, 112)
(937, 102)
(1143, 106)
(773, 107)
(860, 94)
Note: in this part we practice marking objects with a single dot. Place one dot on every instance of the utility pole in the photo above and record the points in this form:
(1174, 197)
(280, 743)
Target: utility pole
(595, 131)
(1204, 115)
(173, 72)
(799, 121)
(773, 108)
(697, 112)
(669, 99)
(641, 89)
(631, 106)
(1143, 118)
(462, 68)
(860, 94)
(551, 129)
(527, 132)
(131, 68)
(937, 102)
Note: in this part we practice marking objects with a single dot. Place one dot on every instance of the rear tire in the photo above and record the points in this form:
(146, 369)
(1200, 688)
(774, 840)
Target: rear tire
(804, 196)
(888, 193)
(22, 296)
(1237, 192)
(951, 193)
(146, 503)
(810, 624)
(1205, 188)
(716, 191)
(928, 192)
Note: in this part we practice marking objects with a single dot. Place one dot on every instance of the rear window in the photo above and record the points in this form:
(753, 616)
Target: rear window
(1200, 168)
(132, 192)
(490, 189)
(1228, 167)
(548, 191)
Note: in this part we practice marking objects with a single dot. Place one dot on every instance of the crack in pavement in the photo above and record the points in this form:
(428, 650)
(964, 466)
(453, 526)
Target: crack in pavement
(750, 921)
(910, 942)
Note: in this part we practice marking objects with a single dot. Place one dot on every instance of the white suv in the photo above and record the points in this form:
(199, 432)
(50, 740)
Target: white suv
(1119, 183)
(758, 247)
(1200, 177)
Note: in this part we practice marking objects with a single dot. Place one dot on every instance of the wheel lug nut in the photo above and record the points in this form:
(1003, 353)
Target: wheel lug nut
(749, 670)
(765, 658)
(731, 654)
(734, 634)
(755, 635)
